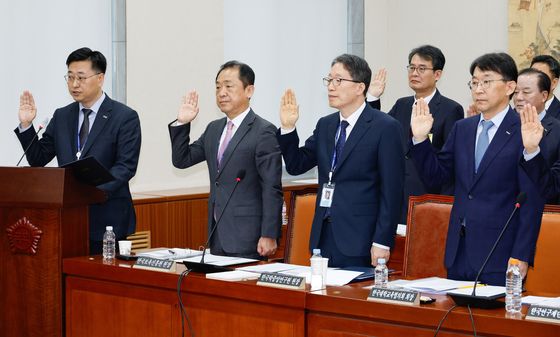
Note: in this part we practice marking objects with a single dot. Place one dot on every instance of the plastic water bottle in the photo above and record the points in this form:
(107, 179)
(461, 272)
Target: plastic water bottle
(381, 274)
(109, 243)
(513, 287)
(316, 270)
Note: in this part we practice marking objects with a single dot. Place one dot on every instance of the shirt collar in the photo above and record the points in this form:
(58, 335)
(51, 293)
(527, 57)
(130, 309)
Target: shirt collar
(548, 103)
(353, 118)
(498, 119)
(239, 119)
(542, 114)
(95, 107)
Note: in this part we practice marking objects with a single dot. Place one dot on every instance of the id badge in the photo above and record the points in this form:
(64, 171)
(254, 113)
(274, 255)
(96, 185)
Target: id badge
(327, 195)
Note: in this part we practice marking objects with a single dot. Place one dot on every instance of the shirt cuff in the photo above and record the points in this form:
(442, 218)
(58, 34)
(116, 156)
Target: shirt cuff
(286, 131)
(528, 157)
(380, 246)
(371, 98)
(21, 130)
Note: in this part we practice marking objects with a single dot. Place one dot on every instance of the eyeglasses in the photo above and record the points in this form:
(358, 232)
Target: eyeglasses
(420, 69)
(80, 79)
(336, 81)
(485, 84)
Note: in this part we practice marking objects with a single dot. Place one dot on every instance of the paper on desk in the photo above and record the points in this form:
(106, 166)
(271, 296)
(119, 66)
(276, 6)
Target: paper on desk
(171, 254)
(481, 290)
(335, 277)
(234, 275)
(436, 284)
(219, 260)
(548, 301)
(270, 267)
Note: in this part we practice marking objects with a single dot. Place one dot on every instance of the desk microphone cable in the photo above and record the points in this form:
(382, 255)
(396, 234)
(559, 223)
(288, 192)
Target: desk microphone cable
(182, 306)
(448, 312)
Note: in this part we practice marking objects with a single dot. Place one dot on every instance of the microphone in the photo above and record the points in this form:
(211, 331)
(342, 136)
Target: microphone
(41, 127)
(202, 267)
(488, 302)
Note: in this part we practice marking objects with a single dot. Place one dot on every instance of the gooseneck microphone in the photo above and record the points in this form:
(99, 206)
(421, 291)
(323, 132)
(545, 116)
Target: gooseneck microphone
(483, 302)
(41, 127)
(201, 266)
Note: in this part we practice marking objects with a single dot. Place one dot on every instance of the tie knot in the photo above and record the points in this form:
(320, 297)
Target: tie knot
(487, 125)
(87, 112)
(230, 125)
(344, 125)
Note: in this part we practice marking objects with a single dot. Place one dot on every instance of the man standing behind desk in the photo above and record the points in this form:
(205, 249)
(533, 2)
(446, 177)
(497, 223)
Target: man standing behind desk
(358, 152)
(94, 125)
(482, 154)
(550, 66)
(425, 68)
(242, 141)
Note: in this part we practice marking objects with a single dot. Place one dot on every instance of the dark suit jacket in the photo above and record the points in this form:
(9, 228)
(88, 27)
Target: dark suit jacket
(114, 140)
(255, 209)
(554, 108)
(445, 113)
(484, 201)
(368, 178)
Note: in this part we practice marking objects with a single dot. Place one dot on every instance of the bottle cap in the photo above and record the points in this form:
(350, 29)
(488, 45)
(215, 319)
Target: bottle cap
(513, 261)
(381, 260)
(316, 251)
(109, 228)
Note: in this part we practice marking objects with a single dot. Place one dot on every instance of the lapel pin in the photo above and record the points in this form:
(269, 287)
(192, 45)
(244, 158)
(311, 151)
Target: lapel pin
(509, 133)
(105, 116)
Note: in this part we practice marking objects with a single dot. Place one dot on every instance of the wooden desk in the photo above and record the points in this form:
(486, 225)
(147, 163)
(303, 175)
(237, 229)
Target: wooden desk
(116, 300)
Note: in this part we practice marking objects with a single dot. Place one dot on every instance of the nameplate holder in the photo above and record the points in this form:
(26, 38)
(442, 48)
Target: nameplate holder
(394, 296)
(281, 281)
(544, 313)
(149, 263)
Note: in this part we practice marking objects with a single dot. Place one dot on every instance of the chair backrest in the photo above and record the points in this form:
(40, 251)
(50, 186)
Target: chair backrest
(426, 234)
(140, 240)
(299, 229)
(543, 277)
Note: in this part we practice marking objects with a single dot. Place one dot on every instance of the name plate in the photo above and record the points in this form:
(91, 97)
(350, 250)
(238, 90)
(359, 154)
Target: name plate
(150, 263)
(394, 296)
(281, 281)
(545, 313)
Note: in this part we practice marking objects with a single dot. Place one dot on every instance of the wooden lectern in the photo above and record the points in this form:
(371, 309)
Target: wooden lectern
(43, 219)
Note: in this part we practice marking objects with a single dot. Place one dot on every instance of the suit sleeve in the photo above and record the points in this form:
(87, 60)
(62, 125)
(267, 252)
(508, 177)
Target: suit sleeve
(390, 161)
(268, 161)
(435, 169)
(375, 104)
(298, 159)
(450, 118)
(41, 151)
(547, 180)
(127, 149)
(183, 154)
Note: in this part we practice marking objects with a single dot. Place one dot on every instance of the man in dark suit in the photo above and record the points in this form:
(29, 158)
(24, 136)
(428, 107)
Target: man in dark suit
(532, 89)
(550, 66)
(94, 125)
(425, 68)
(358, 152)
(250, 214)
(482, 154)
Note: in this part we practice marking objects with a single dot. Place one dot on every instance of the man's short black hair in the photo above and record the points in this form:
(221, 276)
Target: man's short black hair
(550, 61)
(429, 53)
(98, 61)
(543, 82)
(501, 63)
(357, 67)
(246, 74)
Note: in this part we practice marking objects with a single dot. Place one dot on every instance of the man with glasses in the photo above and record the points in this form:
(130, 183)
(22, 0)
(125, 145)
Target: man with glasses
(358, 152)
(482, 155)
(425, 68)
(93, 125)
(550, 66)
(243, 220)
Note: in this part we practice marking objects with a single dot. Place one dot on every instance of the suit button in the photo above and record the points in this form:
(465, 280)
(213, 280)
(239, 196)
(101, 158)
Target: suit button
(470, 197)
(217, 183)
(406, 157)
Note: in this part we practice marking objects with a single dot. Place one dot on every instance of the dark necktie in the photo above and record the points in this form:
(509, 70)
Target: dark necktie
(341, 140)
(84, 130)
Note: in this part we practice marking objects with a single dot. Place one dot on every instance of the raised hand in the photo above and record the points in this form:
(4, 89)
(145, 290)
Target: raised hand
(289, 110)
(531, 128)
(377, 85)
(189, 108)
(27, 109)
(421, 120)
